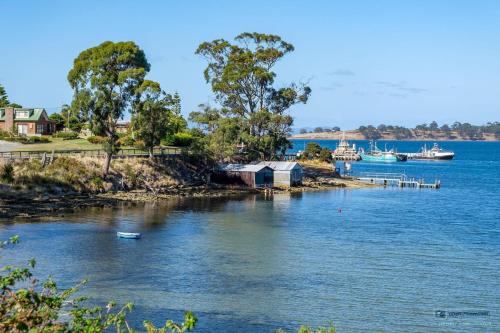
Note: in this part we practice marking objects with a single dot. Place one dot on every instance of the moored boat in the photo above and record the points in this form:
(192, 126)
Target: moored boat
(435, 153)
(377, 155)
(130, 235)
(345, 152)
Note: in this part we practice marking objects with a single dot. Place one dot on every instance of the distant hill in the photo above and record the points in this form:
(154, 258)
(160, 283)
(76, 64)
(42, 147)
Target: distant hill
(415, 135)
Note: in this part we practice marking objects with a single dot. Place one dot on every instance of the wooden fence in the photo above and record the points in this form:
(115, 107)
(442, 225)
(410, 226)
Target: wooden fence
(126, 152)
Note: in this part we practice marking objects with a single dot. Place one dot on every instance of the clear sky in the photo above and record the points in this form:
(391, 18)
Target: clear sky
(367, 62)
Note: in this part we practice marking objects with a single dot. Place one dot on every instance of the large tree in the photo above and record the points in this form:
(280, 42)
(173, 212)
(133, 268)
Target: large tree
(4, 98)
(105, 79)
(242, 77)
(156, 114)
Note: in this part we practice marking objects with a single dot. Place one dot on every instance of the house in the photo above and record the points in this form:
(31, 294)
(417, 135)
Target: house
(122, 126)
(285, 173)
(252, 175)
(26, 121)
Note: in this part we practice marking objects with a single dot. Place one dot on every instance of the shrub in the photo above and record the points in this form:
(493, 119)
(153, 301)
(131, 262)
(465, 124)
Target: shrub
(139, 144)
(28, 305)
(126, 140)
(325, 155)
(181, 139)
(96, 140)
(66, 135)
(4, 134)
(7, 173)
(313, 149)
(33, 139)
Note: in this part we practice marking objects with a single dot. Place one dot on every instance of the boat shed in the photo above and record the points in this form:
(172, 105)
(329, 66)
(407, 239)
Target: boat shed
(285, 173)
(252, 175)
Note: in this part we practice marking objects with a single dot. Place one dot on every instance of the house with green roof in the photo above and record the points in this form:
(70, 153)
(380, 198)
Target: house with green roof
(24, 121)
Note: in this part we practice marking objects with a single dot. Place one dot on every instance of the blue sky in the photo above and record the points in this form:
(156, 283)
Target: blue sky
(367, 62)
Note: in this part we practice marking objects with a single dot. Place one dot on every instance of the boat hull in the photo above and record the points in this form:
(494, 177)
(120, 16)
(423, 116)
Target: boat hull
(129, 235)
(445, 157)
(383, 158)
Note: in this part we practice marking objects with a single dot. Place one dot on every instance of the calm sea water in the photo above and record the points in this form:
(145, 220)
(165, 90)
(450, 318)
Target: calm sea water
(386, 262)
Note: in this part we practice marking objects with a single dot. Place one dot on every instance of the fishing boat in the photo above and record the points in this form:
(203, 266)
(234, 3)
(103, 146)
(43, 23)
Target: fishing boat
(435, 153)
(345, 152)
(130, 235)
(377, 155)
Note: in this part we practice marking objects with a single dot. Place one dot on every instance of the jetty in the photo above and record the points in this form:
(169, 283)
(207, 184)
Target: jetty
(396, 179)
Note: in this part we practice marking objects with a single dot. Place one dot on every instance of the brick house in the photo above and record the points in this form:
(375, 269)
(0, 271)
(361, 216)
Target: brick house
(26, 121)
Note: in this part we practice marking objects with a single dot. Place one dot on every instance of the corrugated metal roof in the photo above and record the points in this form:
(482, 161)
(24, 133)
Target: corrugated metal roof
(242, 167)
(280, 166)
(34, 114)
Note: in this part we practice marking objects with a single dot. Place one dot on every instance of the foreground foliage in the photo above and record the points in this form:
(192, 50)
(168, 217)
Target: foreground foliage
(40, 307)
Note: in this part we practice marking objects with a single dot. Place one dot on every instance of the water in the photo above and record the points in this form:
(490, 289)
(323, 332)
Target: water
(385, 263)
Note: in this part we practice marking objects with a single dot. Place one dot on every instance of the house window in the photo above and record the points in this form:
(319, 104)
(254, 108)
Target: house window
(39, 129)
(22, 129)
(22, 114)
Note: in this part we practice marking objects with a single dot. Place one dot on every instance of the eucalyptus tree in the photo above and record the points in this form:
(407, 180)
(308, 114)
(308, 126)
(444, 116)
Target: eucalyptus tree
(156, 114)
(105, 79)
(242, 78)
(4, 98)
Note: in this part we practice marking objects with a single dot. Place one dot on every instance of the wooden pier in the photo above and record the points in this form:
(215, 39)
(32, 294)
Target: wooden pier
(397, 179)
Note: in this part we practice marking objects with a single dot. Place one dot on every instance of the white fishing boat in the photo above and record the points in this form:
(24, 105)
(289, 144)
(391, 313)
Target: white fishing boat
(435, 153)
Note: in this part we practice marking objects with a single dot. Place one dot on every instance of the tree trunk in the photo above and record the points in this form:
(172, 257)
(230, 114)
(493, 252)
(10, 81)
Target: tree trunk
(107, 162)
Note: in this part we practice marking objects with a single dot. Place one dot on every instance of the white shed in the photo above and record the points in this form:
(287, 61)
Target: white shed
(285, 173)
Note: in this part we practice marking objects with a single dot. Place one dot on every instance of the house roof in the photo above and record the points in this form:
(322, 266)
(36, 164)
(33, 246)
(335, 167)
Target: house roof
(35, 114)
(281, 166)
(243, 167)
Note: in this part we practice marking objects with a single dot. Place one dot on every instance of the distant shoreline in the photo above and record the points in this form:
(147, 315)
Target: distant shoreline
(417, 136)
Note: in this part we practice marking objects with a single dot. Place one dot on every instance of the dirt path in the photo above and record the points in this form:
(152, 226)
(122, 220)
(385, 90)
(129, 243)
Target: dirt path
(9, 146)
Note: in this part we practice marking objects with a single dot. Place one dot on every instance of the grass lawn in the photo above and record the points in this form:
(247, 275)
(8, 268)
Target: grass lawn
(60, 144)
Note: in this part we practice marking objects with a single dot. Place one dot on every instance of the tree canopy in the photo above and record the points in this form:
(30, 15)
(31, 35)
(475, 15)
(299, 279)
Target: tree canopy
(105, 80)
(4, 99)
(156, 114)
(242, 78)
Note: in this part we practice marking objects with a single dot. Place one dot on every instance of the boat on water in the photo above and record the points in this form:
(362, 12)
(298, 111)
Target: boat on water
(130, 235)
(344, 151)
(435, 153)
(377, 155)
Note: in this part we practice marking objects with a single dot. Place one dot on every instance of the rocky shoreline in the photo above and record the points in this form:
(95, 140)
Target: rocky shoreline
(21, 205)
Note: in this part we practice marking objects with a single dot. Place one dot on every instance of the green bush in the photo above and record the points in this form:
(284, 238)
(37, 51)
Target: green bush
(126, 140)
(66, 135)
(33, 139)
(28, 305)
(7, 173)
(23, 139)
(96, 140)
(4, 134)
(313, 149)
(181, 139)
(139, 144)
(325, 155)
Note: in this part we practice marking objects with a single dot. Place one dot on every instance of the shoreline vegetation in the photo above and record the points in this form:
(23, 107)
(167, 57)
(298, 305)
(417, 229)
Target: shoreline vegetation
(29, 190)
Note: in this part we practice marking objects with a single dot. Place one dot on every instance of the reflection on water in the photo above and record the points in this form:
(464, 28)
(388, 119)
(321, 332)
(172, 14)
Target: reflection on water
(384, 263)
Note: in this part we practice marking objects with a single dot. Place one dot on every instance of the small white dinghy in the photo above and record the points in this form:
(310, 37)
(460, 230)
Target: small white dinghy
(130, 235)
